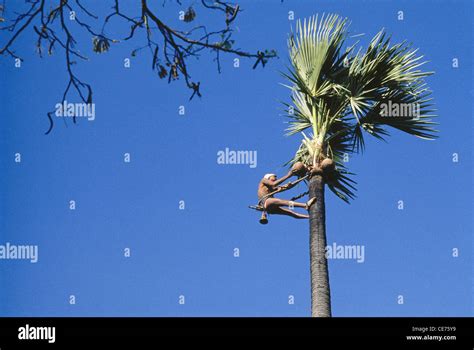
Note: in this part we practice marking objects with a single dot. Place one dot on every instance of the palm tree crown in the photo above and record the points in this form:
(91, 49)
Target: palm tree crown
(340, 94)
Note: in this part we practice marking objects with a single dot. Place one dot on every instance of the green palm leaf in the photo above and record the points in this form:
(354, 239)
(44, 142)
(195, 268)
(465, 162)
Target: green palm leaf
(340, 94)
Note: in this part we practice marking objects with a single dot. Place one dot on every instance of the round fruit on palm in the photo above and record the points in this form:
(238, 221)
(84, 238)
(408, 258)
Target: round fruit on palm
(298, 168)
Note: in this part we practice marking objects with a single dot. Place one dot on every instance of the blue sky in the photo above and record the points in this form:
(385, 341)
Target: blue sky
(190, 252)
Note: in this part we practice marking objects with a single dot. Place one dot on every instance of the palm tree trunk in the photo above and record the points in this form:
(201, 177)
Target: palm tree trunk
(320, 292)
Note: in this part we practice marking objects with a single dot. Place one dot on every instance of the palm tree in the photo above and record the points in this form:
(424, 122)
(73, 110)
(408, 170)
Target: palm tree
(338, 95)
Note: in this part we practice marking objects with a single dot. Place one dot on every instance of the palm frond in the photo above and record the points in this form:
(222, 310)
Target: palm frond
(343, 94)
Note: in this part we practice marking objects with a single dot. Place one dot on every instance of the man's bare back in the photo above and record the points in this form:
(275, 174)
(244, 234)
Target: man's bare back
(264, 189)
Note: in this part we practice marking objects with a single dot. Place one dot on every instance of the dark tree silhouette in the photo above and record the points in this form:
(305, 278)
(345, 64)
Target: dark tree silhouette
(170, 48)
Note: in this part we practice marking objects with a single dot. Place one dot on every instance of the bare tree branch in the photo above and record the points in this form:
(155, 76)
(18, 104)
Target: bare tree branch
(170, 48)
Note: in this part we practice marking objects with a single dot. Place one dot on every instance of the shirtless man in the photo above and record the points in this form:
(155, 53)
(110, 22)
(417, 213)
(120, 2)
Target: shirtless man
(272, 205)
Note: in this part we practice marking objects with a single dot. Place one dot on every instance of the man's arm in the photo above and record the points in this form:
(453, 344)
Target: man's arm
(275, 183)
(283, 178)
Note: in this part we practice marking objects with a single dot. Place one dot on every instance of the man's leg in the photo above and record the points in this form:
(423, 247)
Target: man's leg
(284, 203)
(283, 211)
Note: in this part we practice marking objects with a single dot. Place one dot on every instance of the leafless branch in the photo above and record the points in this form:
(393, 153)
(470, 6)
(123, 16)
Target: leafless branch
(170, 48)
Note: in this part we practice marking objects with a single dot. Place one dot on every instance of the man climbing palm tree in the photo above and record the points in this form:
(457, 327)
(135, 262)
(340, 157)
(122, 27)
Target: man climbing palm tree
(270, 185)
